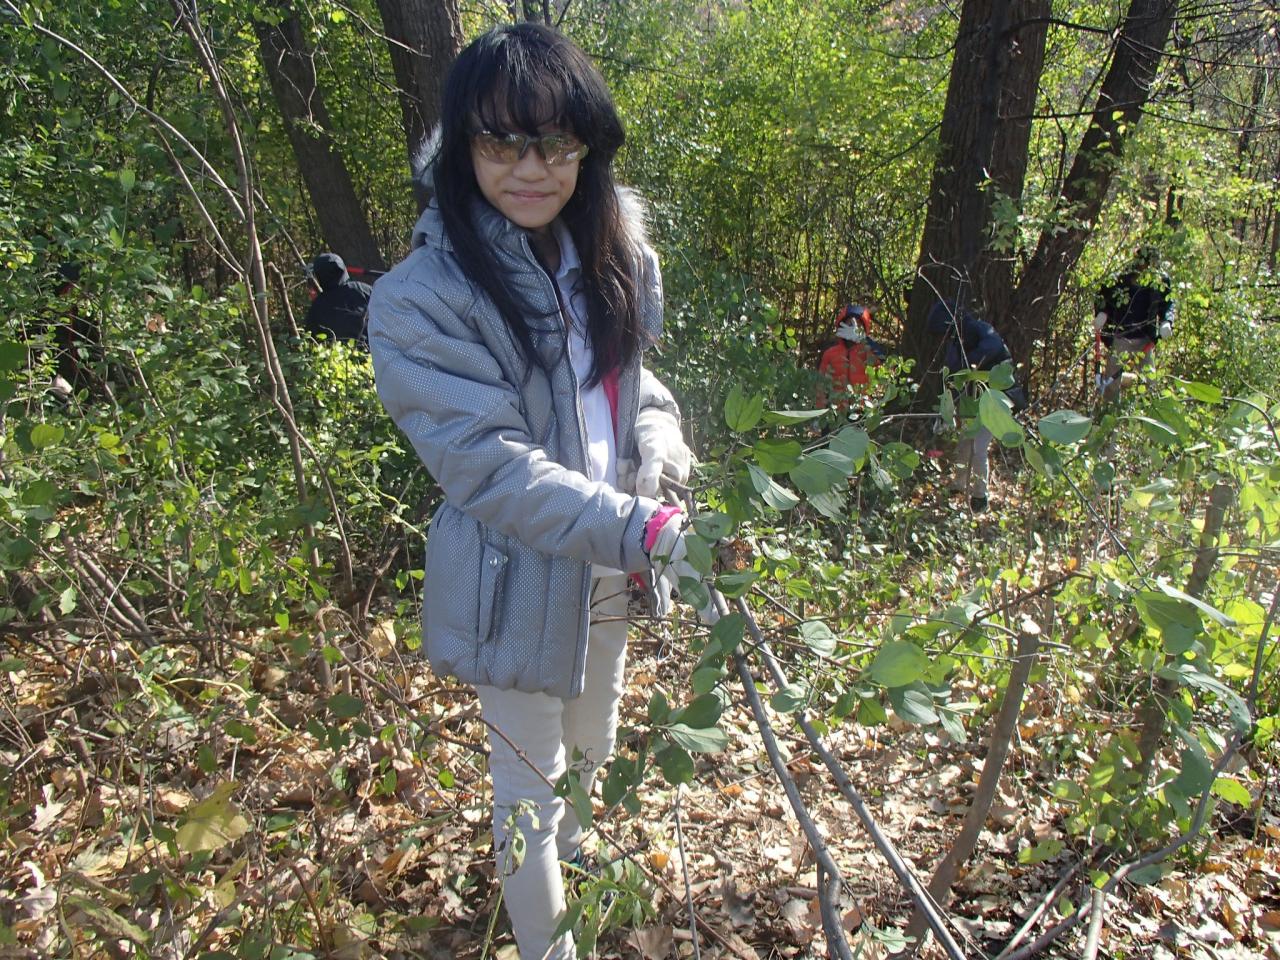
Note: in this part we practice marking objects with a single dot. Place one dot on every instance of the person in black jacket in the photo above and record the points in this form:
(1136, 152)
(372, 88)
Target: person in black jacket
(339, 310)
(1132, 314)
(971, 344)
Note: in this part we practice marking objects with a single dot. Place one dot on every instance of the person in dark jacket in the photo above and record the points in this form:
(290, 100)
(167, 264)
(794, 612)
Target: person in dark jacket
(971, 344)
(339, 310)
(1132, 313)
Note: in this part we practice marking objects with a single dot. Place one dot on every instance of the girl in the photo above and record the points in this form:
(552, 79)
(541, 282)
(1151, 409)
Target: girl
(507, 347)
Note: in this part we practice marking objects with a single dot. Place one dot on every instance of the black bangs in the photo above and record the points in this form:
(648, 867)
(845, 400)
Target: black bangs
(523, 101)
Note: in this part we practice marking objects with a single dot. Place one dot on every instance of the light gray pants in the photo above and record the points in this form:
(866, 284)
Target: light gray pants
(973, 463)
(550, 732)
(1115, 363)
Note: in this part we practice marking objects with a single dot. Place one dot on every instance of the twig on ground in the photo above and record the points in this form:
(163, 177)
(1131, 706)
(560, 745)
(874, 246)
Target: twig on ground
(684, 869)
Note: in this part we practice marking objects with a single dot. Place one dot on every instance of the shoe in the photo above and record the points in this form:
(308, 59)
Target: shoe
(978, 504)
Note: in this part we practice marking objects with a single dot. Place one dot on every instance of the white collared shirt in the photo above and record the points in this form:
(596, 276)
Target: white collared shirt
(596, 415)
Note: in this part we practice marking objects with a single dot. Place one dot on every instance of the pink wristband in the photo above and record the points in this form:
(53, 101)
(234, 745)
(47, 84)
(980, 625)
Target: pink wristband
(656, 523)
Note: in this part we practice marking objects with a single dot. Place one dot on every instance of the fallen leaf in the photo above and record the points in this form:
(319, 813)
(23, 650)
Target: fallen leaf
(46, 813)
(653, 943)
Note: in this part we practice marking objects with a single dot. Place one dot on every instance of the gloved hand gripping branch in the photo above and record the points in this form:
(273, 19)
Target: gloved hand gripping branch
(666, 543)
(663, 453)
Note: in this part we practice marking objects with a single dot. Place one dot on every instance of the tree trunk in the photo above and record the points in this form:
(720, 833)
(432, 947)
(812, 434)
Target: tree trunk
(994, 271)
(1125, 90)
(292, 74)
(424, 37)
(957, 215)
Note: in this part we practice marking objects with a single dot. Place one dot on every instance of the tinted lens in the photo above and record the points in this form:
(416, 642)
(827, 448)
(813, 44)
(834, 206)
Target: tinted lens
(499, 147)
(558, 148)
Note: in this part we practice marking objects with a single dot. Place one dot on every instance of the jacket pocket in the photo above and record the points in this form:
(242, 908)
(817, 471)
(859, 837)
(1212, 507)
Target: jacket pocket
(493, 574)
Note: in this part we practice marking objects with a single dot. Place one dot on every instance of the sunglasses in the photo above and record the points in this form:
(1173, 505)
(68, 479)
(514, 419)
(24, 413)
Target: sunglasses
(556, 149)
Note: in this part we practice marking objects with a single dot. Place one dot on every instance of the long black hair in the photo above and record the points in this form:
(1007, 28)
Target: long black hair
(519, 78)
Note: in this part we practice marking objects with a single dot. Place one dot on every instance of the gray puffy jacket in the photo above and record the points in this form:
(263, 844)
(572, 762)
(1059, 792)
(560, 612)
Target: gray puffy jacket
(508, 580)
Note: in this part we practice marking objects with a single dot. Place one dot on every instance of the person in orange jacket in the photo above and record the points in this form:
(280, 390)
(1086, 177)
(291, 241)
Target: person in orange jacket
(844, 364)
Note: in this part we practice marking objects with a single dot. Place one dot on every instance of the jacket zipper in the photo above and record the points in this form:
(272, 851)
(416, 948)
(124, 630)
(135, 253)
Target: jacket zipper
(573, 377)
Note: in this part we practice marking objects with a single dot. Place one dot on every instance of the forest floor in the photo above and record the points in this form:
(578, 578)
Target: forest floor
(361, 849)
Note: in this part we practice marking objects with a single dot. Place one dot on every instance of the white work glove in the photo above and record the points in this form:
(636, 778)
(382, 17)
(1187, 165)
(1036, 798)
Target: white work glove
(663, 452)
(1099, 321)
(669, 566)
(851, 331)
(1165, 330)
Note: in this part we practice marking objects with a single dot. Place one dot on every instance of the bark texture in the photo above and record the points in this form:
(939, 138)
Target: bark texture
(423, 37)
(292, 74)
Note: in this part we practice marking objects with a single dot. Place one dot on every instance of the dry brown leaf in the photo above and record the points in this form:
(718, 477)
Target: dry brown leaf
(653, 943)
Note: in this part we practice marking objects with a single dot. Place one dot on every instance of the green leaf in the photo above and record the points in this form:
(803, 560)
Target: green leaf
(853, 443)
(1189, 674)
(1144, 876)
(698, 554)
(872, 713)
(913, 704)
(675, 764)
(704, 711)
(1233, 791)
(67, 600)
(46, 435)
(39, 493)
(777, 456)
(1065, 427)
(1161, 433)
(996, 414)
(818, 637)
(344, 706)
(13, 356)
(1194, 776)
(1042, 851)
(127, 179)
(898, 663)
(736, 584)
(775, 495)
(1177, 621)
(1001, 375)
(659, 708)
(713, 526)
(727, 633)
(570, 785)
(1204, 392)
(740, 413)
(700, 740)
(792, 416)
(790, 698)
(830, 504)
(821, 470)
(1213, 612)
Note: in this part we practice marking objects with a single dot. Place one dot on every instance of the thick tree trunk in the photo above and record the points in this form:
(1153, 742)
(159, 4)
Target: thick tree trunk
(994, 271)
(424, 37)
(292, 74)
(957, 216)
(1125, 90)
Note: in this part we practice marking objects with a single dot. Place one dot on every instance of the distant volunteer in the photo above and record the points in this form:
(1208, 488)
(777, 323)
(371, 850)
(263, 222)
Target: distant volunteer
(1132, 314)
(970, 344)
(843, 368)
